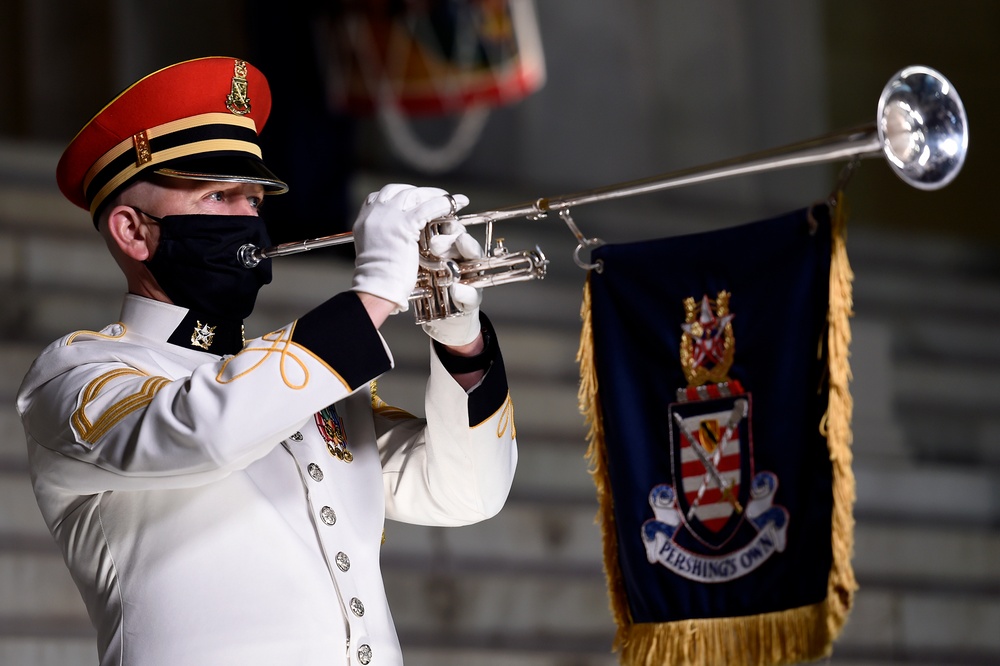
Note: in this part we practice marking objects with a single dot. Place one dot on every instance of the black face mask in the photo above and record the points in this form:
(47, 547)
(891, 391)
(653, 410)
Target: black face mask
(196, 265)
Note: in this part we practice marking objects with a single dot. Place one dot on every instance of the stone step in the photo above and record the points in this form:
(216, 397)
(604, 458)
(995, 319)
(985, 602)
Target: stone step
(480, 601)
(921, 628)
(44, 315)
(450, 608)
(492, 650)
(543, 651)
(561, 540)
(39, 589)
(15, 359)
(879, 251)
(60, 258)
(29, 209)
(884, 627)
(47, 650)
(948, 385)
(960, 339)
(958, 494)
(21, 524)
(55, 649)
(12, 452)
(553, 468)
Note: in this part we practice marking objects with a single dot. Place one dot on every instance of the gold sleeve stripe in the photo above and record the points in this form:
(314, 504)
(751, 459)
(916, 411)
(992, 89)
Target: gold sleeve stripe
(92, 432)
(117, 412)
(95, 387)
(79, 419)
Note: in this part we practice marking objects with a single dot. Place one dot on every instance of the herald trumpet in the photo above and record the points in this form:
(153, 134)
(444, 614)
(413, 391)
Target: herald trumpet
(921, 130)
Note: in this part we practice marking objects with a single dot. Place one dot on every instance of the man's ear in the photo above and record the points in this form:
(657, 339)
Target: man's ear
(136, 237)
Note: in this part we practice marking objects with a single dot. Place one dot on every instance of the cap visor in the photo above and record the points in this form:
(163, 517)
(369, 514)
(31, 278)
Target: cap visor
(234, 169)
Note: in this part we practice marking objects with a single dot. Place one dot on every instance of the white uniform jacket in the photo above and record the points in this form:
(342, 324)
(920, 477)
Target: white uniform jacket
(202, 512)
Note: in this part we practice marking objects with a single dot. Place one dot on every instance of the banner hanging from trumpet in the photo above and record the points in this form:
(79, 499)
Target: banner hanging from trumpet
(714, 378)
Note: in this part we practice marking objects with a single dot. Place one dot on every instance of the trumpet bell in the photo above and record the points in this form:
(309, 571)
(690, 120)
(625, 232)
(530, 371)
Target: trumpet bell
(922, 127)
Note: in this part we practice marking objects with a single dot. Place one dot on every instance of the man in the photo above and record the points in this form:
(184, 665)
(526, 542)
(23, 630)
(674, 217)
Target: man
(221, 501)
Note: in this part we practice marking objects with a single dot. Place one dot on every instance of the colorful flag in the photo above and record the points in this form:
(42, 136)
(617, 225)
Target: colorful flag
(714, 378)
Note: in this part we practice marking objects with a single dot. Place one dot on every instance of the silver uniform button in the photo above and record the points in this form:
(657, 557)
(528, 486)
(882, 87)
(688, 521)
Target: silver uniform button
(328, 515)
(296, 437)
(357, 607)
(315, 472)
(365, 654)
(343, 561)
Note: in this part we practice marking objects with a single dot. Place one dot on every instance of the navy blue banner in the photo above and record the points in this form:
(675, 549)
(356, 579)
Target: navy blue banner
(708, 353)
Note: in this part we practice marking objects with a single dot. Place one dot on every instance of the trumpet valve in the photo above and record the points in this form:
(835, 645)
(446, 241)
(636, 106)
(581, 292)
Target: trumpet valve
(499, 249)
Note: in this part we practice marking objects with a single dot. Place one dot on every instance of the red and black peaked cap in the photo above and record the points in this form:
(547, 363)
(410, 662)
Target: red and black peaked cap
(198, 119)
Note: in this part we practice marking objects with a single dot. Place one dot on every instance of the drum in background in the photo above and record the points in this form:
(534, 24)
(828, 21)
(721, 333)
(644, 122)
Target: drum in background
(403, 59)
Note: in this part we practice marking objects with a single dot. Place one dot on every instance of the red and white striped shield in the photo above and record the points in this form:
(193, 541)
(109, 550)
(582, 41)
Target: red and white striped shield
(712, 463)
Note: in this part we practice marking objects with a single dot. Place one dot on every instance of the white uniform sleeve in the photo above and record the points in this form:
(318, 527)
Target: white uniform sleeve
(456, 467)
(136, 423)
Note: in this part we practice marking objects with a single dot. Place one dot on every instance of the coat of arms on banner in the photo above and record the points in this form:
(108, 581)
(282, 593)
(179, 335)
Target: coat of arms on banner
(715, 520)
(713, 377)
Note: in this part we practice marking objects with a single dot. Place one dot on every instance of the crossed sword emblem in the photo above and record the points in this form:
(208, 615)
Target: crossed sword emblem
(711, 463)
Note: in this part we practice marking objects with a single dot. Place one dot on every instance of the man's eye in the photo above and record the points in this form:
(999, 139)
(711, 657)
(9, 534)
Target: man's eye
(255, 202)
(217, 196)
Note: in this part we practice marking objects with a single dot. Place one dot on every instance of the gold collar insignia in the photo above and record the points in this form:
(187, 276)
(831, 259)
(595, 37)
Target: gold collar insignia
(203, 335)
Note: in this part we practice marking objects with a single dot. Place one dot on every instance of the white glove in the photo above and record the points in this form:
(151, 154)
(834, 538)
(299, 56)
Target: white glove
(454, 243)
(386, 234)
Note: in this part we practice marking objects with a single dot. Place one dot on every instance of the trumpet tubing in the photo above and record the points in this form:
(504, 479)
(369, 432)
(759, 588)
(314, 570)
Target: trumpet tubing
(920, 129)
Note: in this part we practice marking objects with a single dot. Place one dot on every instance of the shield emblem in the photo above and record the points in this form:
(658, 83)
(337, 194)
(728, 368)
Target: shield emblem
(712, 463)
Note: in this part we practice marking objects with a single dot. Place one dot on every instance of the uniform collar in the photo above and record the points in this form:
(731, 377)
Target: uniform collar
(179, 326)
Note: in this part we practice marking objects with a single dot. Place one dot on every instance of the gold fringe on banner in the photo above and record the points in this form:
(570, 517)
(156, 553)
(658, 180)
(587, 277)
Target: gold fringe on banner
(784, 637)
(836, 423)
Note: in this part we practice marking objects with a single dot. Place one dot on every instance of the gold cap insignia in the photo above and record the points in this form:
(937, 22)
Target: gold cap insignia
(203, 335)
(237, 101)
